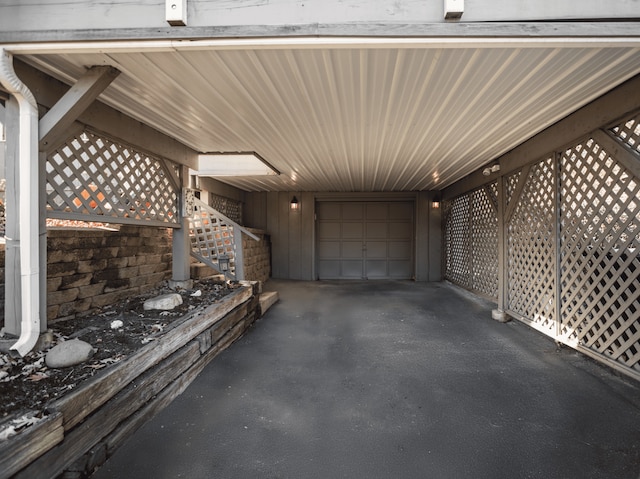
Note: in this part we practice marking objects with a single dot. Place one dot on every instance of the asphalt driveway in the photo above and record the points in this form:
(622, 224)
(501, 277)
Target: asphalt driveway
(391, 380)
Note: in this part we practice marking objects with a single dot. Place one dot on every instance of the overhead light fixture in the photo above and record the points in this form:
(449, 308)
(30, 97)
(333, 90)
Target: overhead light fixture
(491, 169)
(234, 164)
(295, 206)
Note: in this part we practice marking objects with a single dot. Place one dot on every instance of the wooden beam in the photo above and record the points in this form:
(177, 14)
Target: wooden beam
(53, 126)
(560, 30)
(107, 120)
(620, 151)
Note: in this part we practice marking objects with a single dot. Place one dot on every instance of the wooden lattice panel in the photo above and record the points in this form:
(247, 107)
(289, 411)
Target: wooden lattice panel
(457, 246)
(92, 178)
(484, 241)
(213, 235)
(531, 249)
(230, 208)
(510, 186)
(600, 245)
(629, 133)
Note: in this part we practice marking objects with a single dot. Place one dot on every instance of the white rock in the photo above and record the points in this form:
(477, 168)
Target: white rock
(164, 302)
(197, 293)
(69, 353)
(116, 324)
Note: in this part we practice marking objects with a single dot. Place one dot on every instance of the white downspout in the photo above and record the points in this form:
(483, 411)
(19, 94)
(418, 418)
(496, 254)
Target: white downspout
(28, 205)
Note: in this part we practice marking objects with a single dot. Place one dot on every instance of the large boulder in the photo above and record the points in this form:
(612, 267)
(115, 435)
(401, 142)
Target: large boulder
(69, 353)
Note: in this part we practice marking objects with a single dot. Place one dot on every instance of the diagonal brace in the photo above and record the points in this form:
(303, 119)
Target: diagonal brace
(55, 123)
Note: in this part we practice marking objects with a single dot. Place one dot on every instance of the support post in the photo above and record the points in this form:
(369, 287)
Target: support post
(239, 254)
(181, 276)
(42, 236)
(499, 313)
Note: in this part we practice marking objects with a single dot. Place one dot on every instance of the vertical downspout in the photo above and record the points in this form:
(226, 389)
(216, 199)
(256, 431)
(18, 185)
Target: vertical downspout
(28, 205)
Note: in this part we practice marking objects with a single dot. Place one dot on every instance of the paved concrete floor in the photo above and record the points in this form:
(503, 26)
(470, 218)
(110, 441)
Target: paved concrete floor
(391, 380)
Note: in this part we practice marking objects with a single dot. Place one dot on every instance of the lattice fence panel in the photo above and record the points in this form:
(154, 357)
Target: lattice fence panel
(510, 186)
(629, 133)
(531, 249)
(212, 236)
(458, 250)
(600, 245)
(230, 208)
(484, 241)
(93, 178)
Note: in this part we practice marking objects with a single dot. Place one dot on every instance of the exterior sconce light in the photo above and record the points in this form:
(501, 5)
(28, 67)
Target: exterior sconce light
(223, 262)
(295, 206)
(435, 204)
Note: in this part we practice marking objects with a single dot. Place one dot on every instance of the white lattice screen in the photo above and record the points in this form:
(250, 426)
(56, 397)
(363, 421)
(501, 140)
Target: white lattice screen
(531, 249)
(600, 242)
(93, 178)
(230, 208)
(457, 264)
(212, 236)
(471, 241)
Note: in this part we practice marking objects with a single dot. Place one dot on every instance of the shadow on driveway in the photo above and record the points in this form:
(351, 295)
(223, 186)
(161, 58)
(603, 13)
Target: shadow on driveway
(390, 380)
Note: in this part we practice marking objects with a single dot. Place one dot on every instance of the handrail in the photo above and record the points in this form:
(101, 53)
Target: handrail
(214, 235)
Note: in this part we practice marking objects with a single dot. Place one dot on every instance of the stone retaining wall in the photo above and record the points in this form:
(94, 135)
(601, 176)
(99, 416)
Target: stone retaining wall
(257, 256)
(89, 268)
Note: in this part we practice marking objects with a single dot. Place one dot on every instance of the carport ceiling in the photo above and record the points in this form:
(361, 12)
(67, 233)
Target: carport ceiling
(351, 114)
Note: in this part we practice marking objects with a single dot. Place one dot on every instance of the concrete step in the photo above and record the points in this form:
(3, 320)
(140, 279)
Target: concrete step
(267, 299)
(201, 270)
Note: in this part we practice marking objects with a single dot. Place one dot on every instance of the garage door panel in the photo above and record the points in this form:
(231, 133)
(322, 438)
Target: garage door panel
(329, 249)
(377, 269)
(351, 269)
(400, 230)
(353, 211)
(376, 230)
(376, 249)
(352, 250)
(328, 230)
(365, 240)
(377, 211)
(328, 210)
(352, 230)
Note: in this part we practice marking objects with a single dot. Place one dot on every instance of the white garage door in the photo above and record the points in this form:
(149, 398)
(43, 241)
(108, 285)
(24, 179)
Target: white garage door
(370, 240)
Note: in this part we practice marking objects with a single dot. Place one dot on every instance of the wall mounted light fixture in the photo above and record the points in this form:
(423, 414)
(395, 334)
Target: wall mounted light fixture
(491, 169)
(435, 204)
(223, 262)
(294, 204)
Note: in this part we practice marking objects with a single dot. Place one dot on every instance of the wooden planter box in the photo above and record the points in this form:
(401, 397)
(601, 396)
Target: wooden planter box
(84, 427)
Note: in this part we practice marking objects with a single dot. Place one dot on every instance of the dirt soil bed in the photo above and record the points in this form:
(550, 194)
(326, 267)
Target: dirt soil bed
(27, 385)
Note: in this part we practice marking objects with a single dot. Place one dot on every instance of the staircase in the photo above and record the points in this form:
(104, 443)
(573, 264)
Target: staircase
(217, 240)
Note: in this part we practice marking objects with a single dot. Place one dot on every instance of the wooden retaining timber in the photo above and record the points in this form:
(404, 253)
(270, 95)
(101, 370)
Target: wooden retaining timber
(85, 427)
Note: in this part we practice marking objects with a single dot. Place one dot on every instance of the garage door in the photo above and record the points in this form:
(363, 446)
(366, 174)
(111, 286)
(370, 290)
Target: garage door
(370, 240)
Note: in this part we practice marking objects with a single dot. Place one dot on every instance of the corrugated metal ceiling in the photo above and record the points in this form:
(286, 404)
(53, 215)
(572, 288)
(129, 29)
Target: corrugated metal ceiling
(355, 119)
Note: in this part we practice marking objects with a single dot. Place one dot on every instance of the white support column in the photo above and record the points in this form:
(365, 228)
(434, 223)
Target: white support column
(181, 243)
(499, 313)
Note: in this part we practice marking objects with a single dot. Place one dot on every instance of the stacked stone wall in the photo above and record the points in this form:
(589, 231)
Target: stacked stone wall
(257, 256)
(88, 269)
